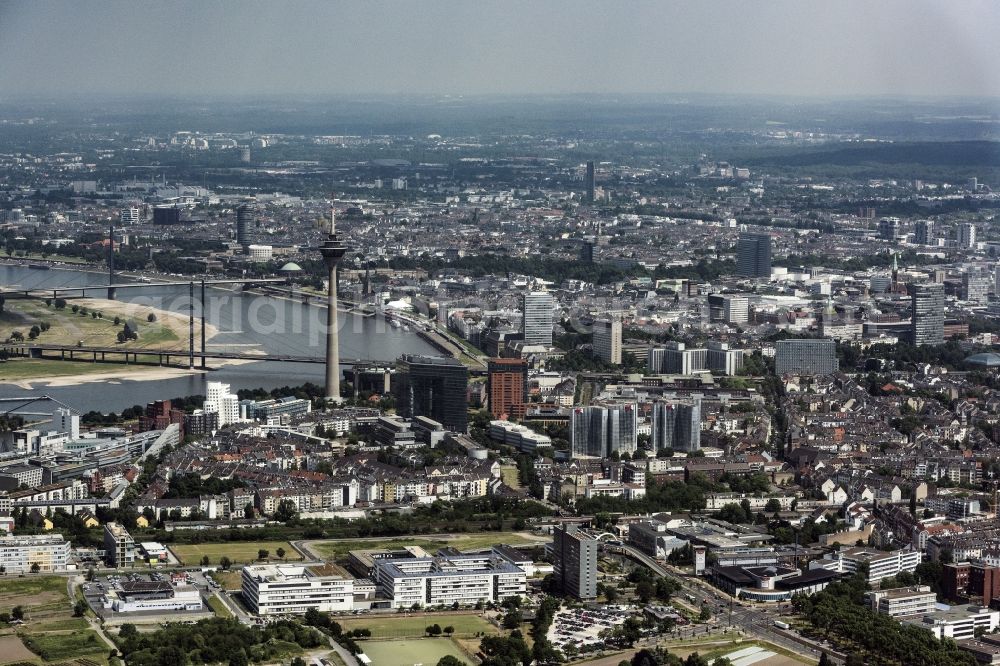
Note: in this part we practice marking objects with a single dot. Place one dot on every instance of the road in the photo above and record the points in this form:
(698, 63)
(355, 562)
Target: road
(758, 621)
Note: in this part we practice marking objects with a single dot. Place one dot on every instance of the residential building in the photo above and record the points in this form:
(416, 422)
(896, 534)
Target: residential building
(970, 581)
(20, 554)
(811, 356)
(889, 228)
(966, 235)
(433, 386)
(608, 340)
(601, 431)
(923, 232)
(538, 314)
(976, 287)
(753, 255)
(119, 547)
(281, 589)
(575, 561)
(735, 309)
(507, 387)
(927, 301)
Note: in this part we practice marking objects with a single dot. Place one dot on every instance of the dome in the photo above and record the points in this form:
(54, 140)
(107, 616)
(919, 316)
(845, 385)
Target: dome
(986, 360)
(290, 267)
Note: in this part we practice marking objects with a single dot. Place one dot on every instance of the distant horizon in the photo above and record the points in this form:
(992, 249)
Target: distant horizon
(847, 49)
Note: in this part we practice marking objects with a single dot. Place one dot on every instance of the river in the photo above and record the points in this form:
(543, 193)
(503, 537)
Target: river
(245, 322)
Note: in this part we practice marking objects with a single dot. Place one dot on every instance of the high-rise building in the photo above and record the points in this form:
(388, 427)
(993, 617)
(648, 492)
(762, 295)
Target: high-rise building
(587, 252)
(967, 235)
(923, 232)
(735, 309)
(753, 255)
(575, 561)
(590, 181)
(889, 228)
(723, 359)
(507, 387)
(976, 287)
(608, 340)
(674, 359)
(539, 311)
(927, 307)
(119, 547)
(433, 386)
(676, 425)
(810, 356)
(600, 431)
(64, 420)
(246, 219)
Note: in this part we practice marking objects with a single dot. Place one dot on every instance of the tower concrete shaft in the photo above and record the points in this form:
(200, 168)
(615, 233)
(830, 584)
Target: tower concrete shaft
(333, 249)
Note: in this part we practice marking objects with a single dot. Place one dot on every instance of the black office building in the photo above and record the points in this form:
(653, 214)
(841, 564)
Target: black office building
(166, 215)
(433, 386)
(753, 255)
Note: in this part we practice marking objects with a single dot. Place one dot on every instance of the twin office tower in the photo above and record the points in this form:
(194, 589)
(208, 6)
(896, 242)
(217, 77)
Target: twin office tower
(601, 431)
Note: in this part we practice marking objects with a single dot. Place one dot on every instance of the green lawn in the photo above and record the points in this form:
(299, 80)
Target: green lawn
(229, 580)
(409, 652)
(218, 607)
(239, 552)
(471, 541)
(404, 626)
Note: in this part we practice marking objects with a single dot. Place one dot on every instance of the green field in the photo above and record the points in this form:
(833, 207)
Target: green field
(425, 651)
(405, 626)
(471, 541)
(239, 552)
(229, 580)
(74, 645)
(42, 598)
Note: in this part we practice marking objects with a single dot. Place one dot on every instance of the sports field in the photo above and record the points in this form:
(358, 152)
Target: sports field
(470, 541)
(239, 552)
(426, 651)
(412, 626)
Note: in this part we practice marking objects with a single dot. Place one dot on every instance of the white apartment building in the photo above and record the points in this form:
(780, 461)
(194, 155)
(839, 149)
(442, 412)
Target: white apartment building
(277, 589)
(880, 565)
(260, 253)
(903, 601)
(19, 553)
(219, 400)
(462, 579)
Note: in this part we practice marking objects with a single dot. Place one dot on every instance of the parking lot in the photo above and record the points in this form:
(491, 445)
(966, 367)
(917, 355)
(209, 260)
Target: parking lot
(582, 627)
(95, 590)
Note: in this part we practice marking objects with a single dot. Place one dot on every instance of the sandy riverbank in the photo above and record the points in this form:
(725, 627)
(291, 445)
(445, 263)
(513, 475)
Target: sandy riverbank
(116, 372)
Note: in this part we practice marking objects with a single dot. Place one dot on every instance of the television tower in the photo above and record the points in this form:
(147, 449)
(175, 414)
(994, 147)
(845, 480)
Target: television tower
(332, 249)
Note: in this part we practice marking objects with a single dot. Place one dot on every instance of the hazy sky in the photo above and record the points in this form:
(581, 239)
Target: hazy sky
(829, 47)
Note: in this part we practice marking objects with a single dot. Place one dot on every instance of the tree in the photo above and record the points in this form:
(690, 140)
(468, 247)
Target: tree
(225, 563)
(79, 608)
(706, 613)
(205, 561)
(35, 567)
(645, 590)
(248, 511)
(239, 658)
(280, 553)
(17, 612)
(151, 317)
(512, 620)
(285, 511)
(449, 660)
(262, 554)
(772, 506)
(449, 630)
(824, 659)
